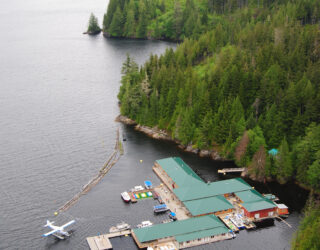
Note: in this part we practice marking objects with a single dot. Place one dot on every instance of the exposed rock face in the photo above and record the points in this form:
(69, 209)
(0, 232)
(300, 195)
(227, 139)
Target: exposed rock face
(215, 156)
(161, 134)
(205, 153)
(125, 120)
(154, 132)
(190, 149)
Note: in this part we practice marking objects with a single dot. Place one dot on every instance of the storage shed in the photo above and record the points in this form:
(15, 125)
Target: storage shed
(256, 206)
(282, 209)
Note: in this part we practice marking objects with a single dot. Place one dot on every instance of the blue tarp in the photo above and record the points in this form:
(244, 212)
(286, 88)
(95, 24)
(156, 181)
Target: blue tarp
(172, 214)
(273, 152)
(148, 183)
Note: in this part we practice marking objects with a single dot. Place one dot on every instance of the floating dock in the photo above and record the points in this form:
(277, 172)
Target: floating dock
(99, 243)
(228, 223)
(198, 207)
(102, 242)
(231, 170)
(141, 194)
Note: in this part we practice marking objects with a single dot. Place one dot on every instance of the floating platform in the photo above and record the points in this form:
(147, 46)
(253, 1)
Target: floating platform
(141, 194)
(102, 242)
(99, 243)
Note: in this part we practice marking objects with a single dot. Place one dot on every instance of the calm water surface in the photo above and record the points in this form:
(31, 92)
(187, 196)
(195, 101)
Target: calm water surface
(57, 106)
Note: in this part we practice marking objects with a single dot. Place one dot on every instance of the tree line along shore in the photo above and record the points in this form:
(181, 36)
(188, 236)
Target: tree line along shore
(244, 82)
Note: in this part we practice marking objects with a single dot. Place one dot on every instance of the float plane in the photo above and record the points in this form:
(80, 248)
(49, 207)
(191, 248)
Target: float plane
(58, 231)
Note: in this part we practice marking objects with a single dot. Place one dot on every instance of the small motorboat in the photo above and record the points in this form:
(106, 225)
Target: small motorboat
(146, 223)
(160, 208)
(125, 196)
(119, 227)
(137, 188)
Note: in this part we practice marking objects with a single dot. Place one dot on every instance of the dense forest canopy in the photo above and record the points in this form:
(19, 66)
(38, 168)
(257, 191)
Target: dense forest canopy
(245, 84)
(179, 19)
(307, 238)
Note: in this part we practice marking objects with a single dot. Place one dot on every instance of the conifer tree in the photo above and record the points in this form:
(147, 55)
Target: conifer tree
(143, 22)
(109, 14)
(130, 24)
(283, 162)
(93, 26)
(116, 24)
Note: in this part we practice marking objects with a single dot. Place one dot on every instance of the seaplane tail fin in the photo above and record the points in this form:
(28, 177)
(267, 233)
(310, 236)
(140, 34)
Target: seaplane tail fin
(48, 223)
(50, 233)
(68, 224)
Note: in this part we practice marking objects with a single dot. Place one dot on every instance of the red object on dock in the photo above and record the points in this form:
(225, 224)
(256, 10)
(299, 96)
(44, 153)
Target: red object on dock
(260, 214)
(282, 209)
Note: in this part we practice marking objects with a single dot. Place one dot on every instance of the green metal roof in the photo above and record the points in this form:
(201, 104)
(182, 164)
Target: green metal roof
(202, 234)
(179, 171)
(270, 196)
(208, 205)
(190, 228)
(254, 201)
(258, 205)
(200, 191)
(249, 195)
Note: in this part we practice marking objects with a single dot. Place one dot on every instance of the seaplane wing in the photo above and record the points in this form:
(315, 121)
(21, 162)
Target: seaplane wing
(68, 224)
(50, 233)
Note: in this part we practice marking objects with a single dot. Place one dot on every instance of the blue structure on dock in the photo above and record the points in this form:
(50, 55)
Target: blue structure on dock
(148, 184)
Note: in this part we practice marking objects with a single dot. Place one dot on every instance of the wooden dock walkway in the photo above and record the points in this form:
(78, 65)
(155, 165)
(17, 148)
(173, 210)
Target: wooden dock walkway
(118, 234)
(102, 242)
(231, 170)
(99, 243)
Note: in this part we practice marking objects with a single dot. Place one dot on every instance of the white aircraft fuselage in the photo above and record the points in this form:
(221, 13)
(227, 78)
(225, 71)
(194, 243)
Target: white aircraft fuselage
(57, 229)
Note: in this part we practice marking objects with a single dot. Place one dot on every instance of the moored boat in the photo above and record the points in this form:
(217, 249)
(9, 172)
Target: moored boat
(146, 223)
(125, 196)
(137, 188)
(119, 227)
(160, 208)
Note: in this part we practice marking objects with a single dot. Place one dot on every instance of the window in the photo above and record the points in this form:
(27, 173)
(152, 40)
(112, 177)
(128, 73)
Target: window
(257, 216)
(270, 213)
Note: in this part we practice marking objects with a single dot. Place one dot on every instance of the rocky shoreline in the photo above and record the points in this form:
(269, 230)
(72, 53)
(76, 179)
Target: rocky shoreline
(161, 134)
(91, 33)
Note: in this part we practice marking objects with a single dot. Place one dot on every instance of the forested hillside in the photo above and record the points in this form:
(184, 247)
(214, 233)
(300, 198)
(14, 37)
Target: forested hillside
(308, 235)
(179, 19)
(245, 84)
